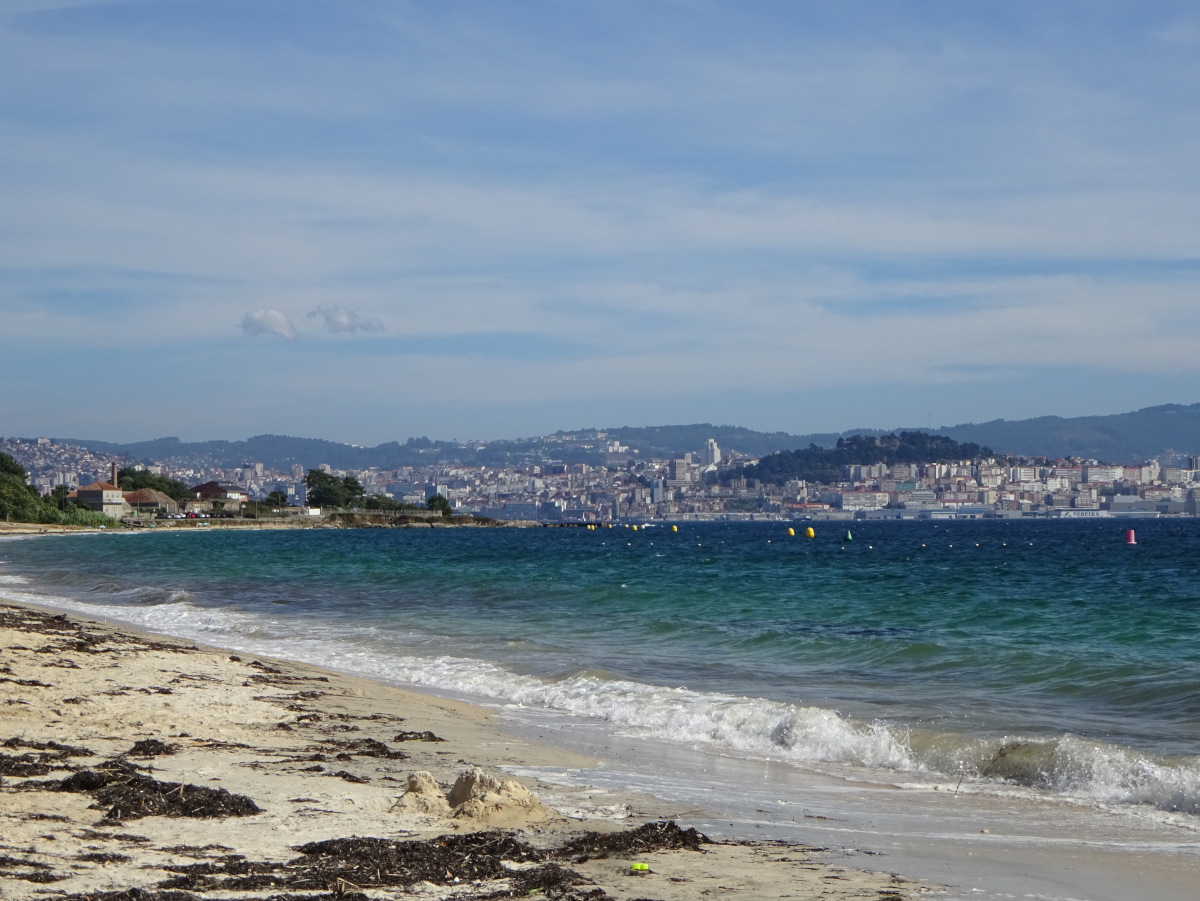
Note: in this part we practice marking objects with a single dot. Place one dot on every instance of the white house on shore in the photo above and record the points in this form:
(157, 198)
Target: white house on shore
(104, 497)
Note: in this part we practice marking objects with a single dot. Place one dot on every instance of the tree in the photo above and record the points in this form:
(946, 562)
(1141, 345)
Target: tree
(439, 503)
(10, 467)
(16, 503)
(58, 496)
(379, 502)
(277, 498)
(136, 480)
(22, 503)
(325, 490)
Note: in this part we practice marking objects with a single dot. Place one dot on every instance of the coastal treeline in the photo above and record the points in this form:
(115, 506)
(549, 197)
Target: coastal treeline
(826, 464)
(23, 503)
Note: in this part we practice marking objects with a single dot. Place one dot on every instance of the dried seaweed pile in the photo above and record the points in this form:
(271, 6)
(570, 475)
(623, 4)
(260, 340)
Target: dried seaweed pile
(344, 868)
(26, 870)
(445, 860)
(51, 756)
(130, 795)
(368, 747)
(663, 836)
(417, 736)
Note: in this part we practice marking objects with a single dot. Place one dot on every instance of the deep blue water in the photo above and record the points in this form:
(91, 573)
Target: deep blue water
(916, 646)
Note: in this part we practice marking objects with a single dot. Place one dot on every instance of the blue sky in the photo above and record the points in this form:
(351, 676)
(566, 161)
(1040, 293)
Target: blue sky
(375, 220)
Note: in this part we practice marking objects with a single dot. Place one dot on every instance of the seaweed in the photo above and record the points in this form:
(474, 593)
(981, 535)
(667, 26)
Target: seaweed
(150, 747)
(104, 857)
(379, 862)
(23, 766)
(7, 863)
(196, 851)
(131, 795)
(130, 894)
(661, 836)
(367, 747)
(417, 736)
(229, 873)
(28, 683)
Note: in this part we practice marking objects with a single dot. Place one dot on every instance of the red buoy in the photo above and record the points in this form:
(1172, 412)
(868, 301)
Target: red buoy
(1129, 539)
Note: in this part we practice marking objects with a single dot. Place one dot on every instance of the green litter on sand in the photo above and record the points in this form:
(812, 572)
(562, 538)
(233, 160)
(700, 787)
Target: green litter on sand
(639, 868)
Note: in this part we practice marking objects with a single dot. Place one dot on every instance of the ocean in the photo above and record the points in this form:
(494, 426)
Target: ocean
(1039, 670)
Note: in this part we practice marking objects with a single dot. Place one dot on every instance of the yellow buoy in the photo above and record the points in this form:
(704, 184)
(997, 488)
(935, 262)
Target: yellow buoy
(635, 528)
(674, 528)
(810, 532)
(791, 532)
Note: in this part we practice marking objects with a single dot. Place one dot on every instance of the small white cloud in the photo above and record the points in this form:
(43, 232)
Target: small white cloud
(339, 319)
(268, 322)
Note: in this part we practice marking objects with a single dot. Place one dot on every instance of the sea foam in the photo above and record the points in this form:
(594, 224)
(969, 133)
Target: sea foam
(744, 726)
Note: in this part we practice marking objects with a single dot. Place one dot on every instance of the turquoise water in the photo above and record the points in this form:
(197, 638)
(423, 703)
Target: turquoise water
(916, 648)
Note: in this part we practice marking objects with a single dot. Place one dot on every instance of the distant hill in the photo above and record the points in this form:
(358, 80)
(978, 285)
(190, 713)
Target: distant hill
(1168, 433)
(281, 452)
(825, 464)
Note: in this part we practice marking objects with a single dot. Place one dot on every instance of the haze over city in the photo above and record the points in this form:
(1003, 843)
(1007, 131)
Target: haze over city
(473, 220)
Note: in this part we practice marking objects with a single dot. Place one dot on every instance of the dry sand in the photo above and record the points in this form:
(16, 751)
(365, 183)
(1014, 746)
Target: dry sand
(198, 774)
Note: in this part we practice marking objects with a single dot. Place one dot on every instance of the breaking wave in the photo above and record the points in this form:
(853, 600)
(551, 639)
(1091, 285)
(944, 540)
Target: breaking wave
(749, 727)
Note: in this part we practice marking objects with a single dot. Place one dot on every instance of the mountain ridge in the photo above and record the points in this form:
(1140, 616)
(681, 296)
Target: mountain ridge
(1168, 432)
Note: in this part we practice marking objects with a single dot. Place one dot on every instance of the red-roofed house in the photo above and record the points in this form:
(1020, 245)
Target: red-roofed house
(149, 500)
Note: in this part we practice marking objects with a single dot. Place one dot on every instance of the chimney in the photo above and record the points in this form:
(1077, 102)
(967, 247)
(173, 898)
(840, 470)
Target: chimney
(114, 476)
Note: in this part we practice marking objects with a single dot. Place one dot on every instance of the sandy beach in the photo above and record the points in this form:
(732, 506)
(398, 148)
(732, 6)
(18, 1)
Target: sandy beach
(141, 767)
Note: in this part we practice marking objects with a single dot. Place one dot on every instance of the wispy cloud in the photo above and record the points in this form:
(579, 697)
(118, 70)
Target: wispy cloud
(339, 319)
(268, 322)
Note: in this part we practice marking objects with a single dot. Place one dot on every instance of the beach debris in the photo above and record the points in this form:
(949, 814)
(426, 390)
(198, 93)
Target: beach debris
(445, 860)
(27, 870)
(639, 869)
(23, 766)
(130, 894)
(130, 795)
(150, 747)
(660, 836)
(368, 747)
(350, 777)
(194, 851)
(552, 881)
(52, 755)
(348, 867)
(416, 736)
(103, 857)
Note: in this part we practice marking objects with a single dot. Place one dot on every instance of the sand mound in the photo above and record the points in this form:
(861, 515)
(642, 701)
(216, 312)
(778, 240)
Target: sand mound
(481, 796)
(423, 796)
(476, 795)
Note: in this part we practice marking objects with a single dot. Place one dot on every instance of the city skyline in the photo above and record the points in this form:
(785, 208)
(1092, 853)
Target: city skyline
(372, 223)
